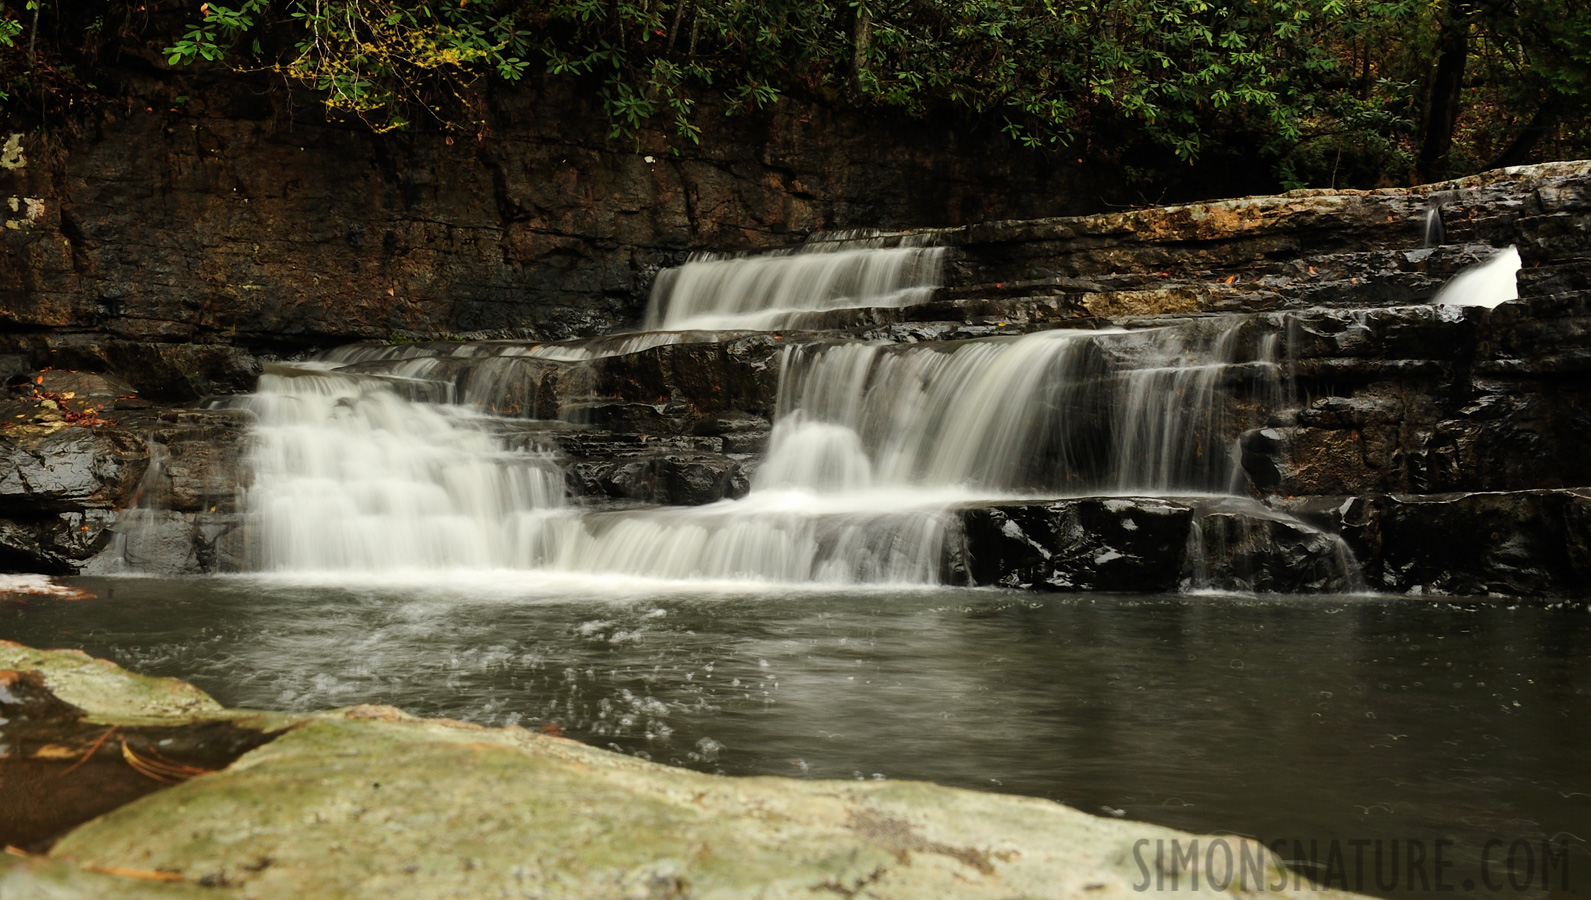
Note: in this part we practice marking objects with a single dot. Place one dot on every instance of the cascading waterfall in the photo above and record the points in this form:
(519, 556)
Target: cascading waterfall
(396, 459)
(349, 475)
(1046, 414)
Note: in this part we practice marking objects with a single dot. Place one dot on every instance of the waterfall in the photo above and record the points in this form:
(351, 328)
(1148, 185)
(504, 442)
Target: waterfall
(1056, 413)
(349, 475)
(713, 293)
(873, 443)
(1433, 233)
(352, 476)
(439, 458)
(1486, 284)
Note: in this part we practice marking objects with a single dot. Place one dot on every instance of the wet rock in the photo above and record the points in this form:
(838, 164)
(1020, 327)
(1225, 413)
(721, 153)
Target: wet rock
(681, 479)
(1528, 543)
(152, 541)
(1237, 545)
(65, 489)
(58, 544)
(1539, 336)
(1151, 545)
(740, 432)
(691, 383)
(87, 389)
(1430, 399)
(172, 372)
(61, 467)
(1125, 544)
(1515, 543)
(198, 458)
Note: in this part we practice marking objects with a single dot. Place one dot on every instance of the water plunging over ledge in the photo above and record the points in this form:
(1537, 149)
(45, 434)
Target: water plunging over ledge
(717, 293)
(424, 461)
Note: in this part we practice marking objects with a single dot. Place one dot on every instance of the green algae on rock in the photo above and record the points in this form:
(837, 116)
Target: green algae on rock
(101, 688)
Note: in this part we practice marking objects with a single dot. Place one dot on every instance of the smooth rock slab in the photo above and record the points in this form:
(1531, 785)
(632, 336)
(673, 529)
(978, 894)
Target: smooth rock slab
(101, 688)
(370, 805)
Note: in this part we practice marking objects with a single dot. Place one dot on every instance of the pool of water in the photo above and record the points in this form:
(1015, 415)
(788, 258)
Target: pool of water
(1329, 724)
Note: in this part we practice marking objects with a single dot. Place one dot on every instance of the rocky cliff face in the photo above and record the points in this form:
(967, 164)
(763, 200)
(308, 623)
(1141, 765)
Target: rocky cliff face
(1438, 445)
(196, 226)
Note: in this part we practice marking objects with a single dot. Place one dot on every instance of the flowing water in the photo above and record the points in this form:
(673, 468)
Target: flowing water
(371, 462)
(715, 293)
(1303, 719)
(1488, 284)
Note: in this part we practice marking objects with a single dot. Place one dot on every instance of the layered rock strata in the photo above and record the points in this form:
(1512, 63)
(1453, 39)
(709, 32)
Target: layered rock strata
(1393, 421)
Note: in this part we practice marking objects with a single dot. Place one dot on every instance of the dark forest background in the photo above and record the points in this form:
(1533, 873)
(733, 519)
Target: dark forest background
(1293, 93)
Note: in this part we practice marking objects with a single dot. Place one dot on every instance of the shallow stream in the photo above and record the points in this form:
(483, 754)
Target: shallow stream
(1307, 719)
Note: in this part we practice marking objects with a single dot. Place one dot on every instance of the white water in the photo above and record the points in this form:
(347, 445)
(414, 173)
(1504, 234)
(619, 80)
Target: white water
(349, 475)
(1487, 284)
(711, 293)
(1046, 414)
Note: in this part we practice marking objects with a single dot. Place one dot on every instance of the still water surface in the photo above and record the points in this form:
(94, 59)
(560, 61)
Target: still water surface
(1295, 719)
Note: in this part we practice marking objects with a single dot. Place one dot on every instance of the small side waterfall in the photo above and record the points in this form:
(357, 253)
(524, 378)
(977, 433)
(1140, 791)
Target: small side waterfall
(1434, 232)
(1487, 284)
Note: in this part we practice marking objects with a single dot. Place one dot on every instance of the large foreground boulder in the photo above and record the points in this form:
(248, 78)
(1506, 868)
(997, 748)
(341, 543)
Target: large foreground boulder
(369, 802)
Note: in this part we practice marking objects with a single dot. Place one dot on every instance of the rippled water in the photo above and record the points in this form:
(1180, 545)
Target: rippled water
(1302, 719)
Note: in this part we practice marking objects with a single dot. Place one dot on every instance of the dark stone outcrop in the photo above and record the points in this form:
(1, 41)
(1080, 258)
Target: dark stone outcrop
(1433, 399)
(159, 233)
(1311, 248)
(1506, 543)
(672, 471)
(68, 474)
(66, 467)
(1127, 544)
(1147, 544)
